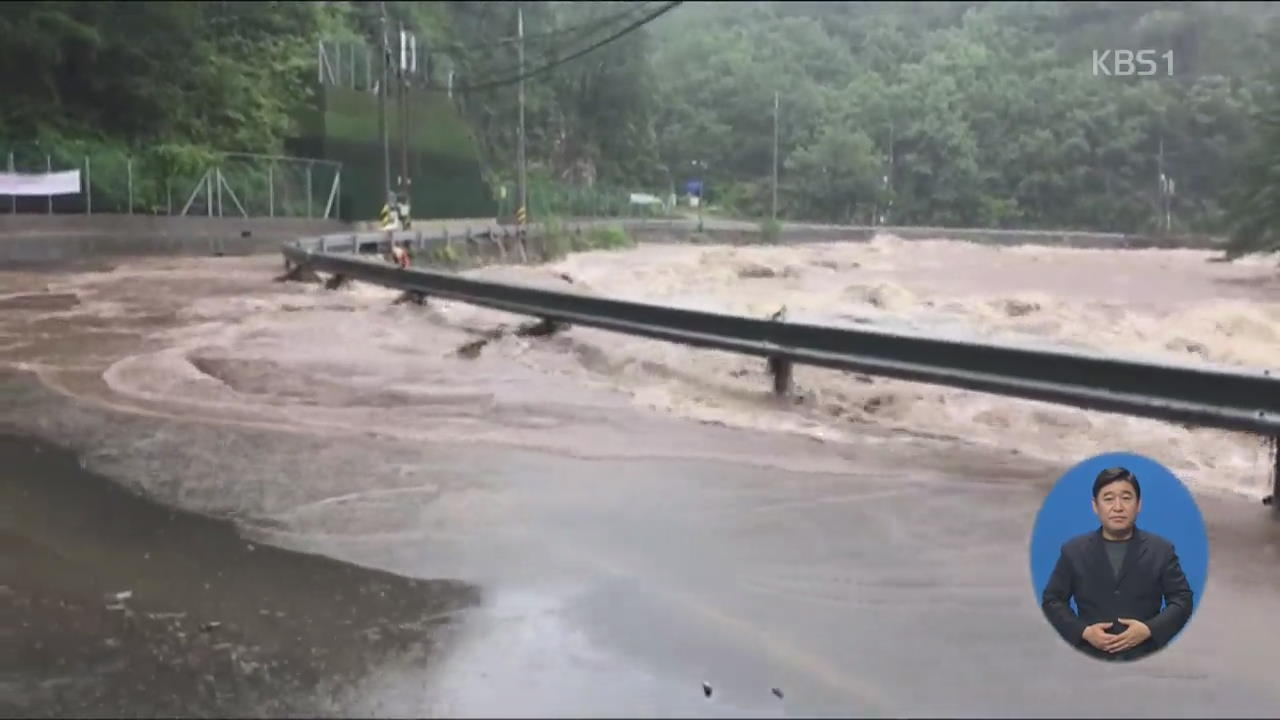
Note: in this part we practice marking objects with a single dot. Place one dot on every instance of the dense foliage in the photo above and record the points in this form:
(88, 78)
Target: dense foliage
(968, 113)
(940, 113)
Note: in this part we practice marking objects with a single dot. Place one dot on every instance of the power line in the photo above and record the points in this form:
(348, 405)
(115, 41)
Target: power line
(588, 27)
(570, 57)
(569, 36)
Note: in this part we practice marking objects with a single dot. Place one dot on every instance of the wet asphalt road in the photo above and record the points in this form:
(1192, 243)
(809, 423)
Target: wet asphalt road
(111, 606)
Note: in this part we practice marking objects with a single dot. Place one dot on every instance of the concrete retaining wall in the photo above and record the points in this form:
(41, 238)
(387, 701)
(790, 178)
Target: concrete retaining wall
(41, 239)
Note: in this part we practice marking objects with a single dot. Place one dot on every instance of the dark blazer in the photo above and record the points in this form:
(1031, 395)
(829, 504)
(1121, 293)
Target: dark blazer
(1150, 573)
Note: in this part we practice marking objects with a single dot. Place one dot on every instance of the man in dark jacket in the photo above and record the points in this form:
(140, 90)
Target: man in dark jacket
(1119, 577)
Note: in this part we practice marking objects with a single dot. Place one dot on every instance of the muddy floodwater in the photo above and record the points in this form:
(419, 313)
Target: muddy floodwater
(411, 510)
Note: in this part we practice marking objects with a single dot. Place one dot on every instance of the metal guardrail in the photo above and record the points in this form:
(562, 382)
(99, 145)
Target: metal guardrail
(1226, 398)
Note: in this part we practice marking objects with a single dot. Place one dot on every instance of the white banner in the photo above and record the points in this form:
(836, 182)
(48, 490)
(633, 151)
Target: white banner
(645, 199)
(40, 184)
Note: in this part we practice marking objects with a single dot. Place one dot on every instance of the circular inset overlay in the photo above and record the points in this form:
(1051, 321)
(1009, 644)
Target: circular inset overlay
(1078, 544)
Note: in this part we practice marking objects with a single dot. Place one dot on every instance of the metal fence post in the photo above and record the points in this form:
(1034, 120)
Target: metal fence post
(219, 181)
(271, 189)
(168, 195)
(128, 168)
(13, 199)
(308, 190)
(333, 197)
(88, 187)
(48, 165)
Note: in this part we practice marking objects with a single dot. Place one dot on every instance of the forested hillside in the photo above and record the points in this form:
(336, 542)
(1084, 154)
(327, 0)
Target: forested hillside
(946, 113)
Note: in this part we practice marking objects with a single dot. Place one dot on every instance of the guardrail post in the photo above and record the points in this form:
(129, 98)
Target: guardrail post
(413, 296)
(780, 368)
(298, 273)
(1274, 498)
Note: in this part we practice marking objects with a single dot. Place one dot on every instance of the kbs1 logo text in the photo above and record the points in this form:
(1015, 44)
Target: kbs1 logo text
(1127, 63)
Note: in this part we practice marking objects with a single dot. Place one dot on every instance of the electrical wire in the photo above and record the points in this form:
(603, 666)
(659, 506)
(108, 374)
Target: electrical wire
(474, 87)
(570, 36)
(587, 28)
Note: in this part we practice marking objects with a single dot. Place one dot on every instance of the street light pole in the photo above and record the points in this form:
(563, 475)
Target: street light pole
(520, 160)
(382, 110)
(773, 212)
(671, 189)
(403, 97)
(702, 188)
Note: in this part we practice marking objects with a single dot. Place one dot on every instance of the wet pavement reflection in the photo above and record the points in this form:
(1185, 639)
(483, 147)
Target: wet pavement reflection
(112, 605)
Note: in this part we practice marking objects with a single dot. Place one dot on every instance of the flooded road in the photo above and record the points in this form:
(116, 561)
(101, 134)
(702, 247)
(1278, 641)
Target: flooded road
(606, 524)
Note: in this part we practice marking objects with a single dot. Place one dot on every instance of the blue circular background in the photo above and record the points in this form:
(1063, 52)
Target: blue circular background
(1168, 510)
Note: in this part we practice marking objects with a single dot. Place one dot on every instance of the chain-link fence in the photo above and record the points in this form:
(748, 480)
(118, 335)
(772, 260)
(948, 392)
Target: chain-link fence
(173, 180)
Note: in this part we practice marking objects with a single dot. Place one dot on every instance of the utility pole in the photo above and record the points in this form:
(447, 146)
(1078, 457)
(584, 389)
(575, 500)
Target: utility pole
(774, 208)
(702, 188)
(520, 152)
(888, 179)
(1166, 189)
(403, 98)
(1160, 170)
(382, 111)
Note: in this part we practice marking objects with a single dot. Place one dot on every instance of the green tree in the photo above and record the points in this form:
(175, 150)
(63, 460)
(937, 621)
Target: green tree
(836, 177)
(1255, 200)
